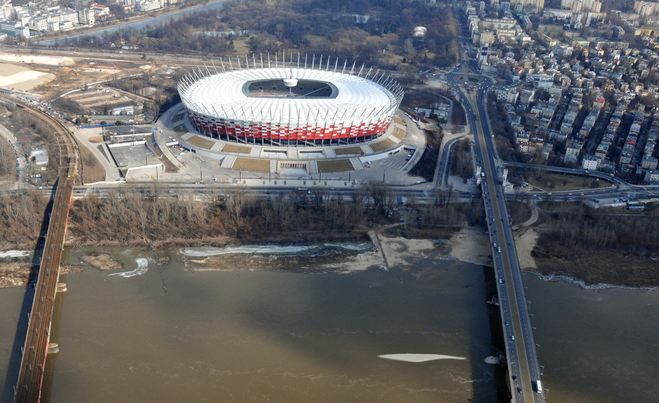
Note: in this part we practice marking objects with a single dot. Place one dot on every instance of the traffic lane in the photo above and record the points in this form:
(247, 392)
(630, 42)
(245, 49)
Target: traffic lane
(524, 379)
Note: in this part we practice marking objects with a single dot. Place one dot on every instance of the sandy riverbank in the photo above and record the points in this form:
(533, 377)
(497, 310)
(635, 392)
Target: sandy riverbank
(526, 240)
(471, 245)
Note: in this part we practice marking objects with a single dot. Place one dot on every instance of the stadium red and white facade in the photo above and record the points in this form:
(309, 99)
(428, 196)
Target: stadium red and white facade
(309, 102)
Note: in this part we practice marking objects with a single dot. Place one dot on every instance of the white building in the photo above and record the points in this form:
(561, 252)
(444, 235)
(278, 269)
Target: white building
(86, 16)
(589, 162)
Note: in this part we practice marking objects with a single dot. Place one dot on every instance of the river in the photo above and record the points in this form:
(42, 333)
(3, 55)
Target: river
(170, 328)
(134, 24)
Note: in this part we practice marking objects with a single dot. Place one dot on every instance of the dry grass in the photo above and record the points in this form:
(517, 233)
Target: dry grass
(557, 181)
(200, 142)
(383, 145)
(233, 148)
(334, 166)
(246, 164)
(349, 151)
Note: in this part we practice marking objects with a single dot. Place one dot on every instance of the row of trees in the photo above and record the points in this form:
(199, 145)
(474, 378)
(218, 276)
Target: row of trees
(462, 164)
(579, 227)
(33, 132)
(20, 221)
(7, 158)
(132, 218)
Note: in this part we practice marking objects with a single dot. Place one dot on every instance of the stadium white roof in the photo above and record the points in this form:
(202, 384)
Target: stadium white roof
(222, 95)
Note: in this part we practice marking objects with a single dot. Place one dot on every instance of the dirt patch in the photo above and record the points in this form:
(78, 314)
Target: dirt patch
(22, 78)
(92, 169)
(96, 139)
(102, 262)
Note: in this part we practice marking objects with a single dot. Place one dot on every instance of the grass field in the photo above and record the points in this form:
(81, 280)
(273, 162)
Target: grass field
(383, 145)
(200, 142)
(246, 164)
(334, 166)
(557, 181)
(349, 151)
(234, 148)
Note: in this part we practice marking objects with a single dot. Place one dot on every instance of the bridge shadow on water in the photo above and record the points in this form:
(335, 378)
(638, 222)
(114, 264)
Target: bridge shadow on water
(26, 306)
(497, 342)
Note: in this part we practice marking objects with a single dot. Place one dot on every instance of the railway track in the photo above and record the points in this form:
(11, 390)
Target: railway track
(35, 349)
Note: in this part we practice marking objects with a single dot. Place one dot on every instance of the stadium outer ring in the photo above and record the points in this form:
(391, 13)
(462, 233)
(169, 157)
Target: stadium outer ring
(219, 107)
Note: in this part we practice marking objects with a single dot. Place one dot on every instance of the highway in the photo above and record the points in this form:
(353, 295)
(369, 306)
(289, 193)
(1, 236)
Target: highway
(523, 367)
(35, 348)
(421, 196)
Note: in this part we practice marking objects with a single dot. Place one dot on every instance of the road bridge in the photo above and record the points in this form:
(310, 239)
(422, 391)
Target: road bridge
(523, 367)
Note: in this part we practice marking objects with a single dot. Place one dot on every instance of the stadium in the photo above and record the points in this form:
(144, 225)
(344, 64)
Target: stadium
(304, 102)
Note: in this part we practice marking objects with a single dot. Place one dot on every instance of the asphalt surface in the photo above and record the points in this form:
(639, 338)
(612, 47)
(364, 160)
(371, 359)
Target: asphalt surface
(522, 360)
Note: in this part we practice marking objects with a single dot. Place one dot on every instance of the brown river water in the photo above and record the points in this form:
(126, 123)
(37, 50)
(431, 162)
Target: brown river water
(308, 324)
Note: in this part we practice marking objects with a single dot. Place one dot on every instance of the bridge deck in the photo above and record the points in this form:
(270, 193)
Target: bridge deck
(35, 349)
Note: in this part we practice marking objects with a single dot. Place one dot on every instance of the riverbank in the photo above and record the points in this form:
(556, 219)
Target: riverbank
(587, 268)
(310, 252)
(596, 268)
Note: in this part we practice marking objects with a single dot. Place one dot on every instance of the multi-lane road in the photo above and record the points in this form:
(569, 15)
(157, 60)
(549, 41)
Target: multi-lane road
(523, 366)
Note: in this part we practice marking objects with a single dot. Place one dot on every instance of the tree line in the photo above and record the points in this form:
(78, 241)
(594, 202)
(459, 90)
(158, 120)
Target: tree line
(131, 218)
(580, 227)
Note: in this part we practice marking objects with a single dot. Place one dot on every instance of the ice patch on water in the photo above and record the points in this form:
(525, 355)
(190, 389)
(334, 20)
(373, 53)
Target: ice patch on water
(350, 246)
(416, 358)
(206, 251)
(142, 267)
(271, 249)
(584, 285)
(9, 254)
(492, 360)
